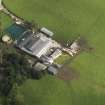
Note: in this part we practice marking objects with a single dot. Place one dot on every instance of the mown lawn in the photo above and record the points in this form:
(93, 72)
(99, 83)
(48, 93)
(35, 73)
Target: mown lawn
(5, 20)
(68, 19)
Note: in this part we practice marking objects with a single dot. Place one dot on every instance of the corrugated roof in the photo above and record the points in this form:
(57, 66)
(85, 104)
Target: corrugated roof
(46, 31)
(36, 44)
(52, 70)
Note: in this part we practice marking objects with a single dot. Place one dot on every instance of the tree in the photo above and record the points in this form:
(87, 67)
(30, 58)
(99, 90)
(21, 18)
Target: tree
(1, 54)
(1, 30)
(16, 70)
(36, 74)
(14, 98)
(32, 26)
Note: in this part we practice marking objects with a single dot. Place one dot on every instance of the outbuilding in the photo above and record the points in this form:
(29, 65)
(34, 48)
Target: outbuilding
(40, 66)
(52, 70)
(47, 32)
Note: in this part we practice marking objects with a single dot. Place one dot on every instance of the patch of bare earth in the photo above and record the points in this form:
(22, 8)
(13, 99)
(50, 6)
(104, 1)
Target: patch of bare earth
(68, 74)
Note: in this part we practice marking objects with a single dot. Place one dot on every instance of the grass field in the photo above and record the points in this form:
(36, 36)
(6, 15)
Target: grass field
(5, 20)
(68, 19)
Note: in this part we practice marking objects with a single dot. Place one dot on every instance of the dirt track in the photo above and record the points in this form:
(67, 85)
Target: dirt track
(68, 74)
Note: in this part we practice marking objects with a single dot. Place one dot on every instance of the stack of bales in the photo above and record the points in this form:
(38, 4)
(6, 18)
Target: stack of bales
(6, 39)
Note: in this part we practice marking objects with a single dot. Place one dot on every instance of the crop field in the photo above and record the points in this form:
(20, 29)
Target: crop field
(68, 19)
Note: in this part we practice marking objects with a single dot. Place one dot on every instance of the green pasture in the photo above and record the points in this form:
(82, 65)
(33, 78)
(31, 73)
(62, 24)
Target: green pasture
(68, 19)
(5, 20)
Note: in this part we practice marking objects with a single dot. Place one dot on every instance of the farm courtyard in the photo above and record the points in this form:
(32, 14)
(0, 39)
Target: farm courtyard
(67, 19)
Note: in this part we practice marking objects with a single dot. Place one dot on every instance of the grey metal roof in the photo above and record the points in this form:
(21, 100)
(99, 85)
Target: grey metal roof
(26, 37)
(52, 70)
(40, 47)
(36, 44)
(46, 31)
(31, 42)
